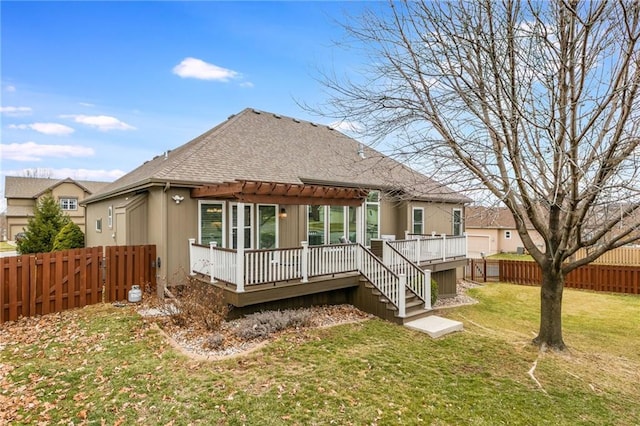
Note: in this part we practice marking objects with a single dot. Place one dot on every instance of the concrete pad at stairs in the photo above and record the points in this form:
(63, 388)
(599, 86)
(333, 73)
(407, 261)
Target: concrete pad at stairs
(435, 326)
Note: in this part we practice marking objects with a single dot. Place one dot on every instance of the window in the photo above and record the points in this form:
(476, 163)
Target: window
(248, 228)
(418, 220)
(315, 225)
(330, 224)
(69, 203)
(352, 224)
(507, 235)
(212, 220)
(457, 222)
(372, 220)
(110, 217)
(267, 226)
(99, 225)
(336, 224)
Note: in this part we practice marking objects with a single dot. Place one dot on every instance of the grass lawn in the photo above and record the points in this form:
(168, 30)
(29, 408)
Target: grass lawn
(510, 256)
(107, 365)
(5, 246)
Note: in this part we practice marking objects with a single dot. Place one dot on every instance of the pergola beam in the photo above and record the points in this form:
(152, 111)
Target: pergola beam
(282, 193)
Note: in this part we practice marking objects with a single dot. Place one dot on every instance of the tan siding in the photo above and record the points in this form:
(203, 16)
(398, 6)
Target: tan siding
(438, 217)
(183, 224)
(293, 228)
(388, 218)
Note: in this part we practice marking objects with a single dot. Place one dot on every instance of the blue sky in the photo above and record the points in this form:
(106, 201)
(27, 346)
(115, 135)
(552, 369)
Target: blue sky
(90, 90)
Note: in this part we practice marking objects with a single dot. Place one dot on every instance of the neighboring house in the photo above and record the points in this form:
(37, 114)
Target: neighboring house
(293, 181)
(23, 193)
(492, 230)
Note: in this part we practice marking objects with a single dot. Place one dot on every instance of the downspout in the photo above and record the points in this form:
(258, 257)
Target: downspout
(164, 235)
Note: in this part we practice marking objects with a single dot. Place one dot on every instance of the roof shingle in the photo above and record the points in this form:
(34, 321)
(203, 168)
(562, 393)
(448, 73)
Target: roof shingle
(262, 146)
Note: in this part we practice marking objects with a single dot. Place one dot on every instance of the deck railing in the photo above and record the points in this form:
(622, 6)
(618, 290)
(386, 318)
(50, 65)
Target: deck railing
(391, 285)
(300, 263)
(418, 280)
(273, 265)
(421, 248)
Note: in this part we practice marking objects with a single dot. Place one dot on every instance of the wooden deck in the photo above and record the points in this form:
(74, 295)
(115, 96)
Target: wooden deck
(263, 293)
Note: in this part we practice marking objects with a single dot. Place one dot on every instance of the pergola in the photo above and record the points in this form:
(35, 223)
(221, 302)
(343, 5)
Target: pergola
(247, 191)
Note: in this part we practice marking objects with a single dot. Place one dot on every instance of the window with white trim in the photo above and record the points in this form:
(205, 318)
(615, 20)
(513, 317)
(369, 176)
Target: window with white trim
(69, 203)
(372, 217)
(331, 224)
(211, 218)
(267, 223)
(507, 235)
(99, 225)
(457, 222)
(248, 226)
(417, 220)
(110, 217)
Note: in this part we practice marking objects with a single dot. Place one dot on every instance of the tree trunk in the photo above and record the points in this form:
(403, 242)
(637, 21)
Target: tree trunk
(550, 335)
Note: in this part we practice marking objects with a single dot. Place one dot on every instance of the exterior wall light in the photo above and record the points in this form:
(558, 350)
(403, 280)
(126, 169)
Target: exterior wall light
(283, 213)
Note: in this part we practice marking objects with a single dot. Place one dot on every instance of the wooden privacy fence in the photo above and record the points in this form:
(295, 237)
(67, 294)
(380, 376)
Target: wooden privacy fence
(42, 283)
(618, 256)
(610, 278)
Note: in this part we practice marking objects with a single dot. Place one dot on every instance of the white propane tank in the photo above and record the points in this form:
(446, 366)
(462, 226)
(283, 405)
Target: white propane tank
(135, 294)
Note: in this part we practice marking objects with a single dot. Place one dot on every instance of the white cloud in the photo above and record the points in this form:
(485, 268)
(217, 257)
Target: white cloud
(88, 174)
(346, 126)
(100, 122)
(247, 84)
(31, 151)
(197, 68)
(86, 104)
(10, 88)
(46, 128)
(14, 111)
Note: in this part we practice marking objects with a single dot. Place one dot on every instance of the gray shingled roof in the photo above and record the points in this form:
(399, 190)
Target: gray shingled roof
(262, 146)
(29, 187)
(490, 218)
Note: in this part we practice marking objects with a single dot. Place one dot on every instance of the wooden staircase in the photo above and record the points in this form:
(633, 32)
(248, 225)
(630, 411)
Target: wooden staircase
(414, 305)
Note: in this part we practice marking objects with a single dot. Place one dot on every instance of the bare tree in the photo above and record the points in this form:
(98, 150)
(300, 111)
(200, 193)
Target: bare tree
(537, 101)
(37, 173)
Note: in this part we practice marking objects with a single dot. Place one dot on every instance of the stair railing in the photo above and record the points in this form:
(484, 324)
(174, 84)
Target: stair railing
(418, 280)
(391, 285)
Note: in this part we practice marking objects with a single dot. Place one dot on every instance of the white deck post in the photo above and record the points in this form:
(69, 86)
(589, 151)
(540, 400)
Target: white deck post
(427, 289)
(212, 260)
(417, 250)
(386, 253)
(240, 248)
(402, 298)
(444, 248)
(406, 234)
(466, 245)
(304, 262)
(192, 241)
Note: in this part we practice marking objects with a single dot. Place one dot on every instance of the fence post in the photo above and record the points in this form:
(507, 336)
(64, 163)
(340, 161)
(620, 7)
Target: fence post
(304, 262)
(444, 248)
(212, 260)
(484, 272)
(31, 286)
(192, 241)
(402, 301)
(427, 289)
